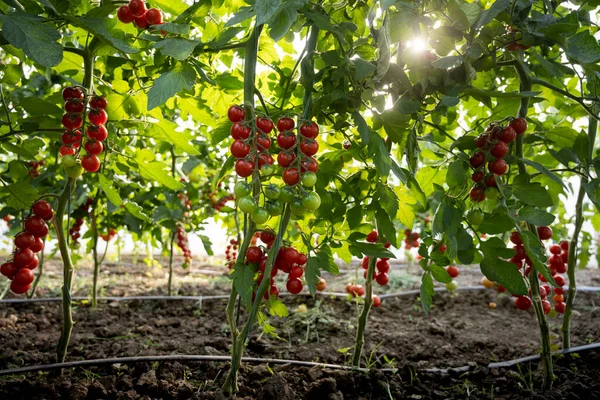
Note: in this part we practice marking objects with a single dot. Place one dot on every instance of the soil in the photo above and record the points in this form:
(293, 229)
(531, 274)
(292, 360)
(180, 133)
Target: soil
(460, 330)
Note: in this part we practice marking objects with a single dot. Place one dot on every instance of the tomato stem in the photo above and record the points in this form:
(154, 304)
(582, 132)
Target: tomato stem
(572, 262)
(362, 320)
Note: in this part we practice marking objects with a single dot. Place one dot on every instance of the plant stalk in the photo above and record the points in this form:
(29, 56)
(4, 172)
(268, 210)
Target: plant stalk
(170, 282)
(362, 320)
(39, 274)
(572, 262)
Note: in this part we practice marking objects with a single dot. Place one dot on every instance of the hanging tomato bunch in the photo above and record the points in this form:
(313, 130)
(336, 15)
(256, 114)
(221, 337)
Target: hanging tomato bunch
(492, 147)
(27, 243)
(72, 138)
(34, 168)
(231, 252)
(136, 12)
(182, 242)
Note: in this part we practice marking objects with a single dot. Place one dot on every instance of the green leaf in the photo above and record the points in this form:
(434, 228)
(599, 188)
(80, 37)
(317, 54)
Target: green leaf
(388, 199)
(583, 47)
(243, 281)
(105, 29)
(536, 216)
(457, 174)
(37, 106)
(12, 74)
(37, 39)
(282, 21)
(111, 193)
(183, 76)
(427, 292)
(581, 146)
(361, 127)
(17, 170)
(448, 62)
(386, 226)
(360, 249)
(440, 274)
(533, 194)
(396, 127)
(497, 270)
(178, 48)
(227, 166)
(497, 222)
(21, 196)
(220, 133)
(167, 131)
(243, 14)
(206, 243)
(488, 15)
(158, 172)
(18, 150)
(265, 9)
(137, 211)
(544, 171)
(363, 69)
(323, 260)
(381, 156)
(354, 216)
(592, 189)
(277, 308)
(537, 254)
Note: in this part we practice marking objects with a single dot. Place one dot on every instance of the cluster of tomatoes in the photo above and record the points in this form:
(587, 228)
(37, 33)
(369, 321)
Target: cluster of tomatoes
(27, 243)
(231, 252)
(74, 230)
(182, 242)
(411, 239)
(222, 201)
(34, 168)
(108, 236)
(136, 12)
(492, 147)
(72, 120)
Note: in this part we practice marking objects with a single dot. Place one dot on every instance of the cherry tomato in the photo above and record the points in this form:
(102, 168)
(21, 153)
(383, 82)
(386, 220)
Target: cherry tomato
(519, 125)
(141, 22)
(382, 279)
(487, 283)
(66, 150)
(376, 301)
(477, 176)
(242, 189)
(34, 263)
(72, 138)
(239, 131)
(311, 201)
(383, 266)
(296, 272)
(523, 302)
(267, 237)
(98, 102)
(477, 194)
(72, 121)
(309, 147)
(36, 226)
(8, 269)
(246, 204)
(309, 179)
(475, 217)
(372, 237)
(291, 176)
(236, 113)
(74, 106)
(37, 246)
(24, 240)
(290, 255)
(477, 160)
(294, 285)
(254, 254)
(239, 149)
(260, 216)
(544, 232)
(286, 194)
(264, 124)
(302, 259)
(560, 281)
(265, 159)
(97, 117)
(560, 307)
(93, 147)
(286, 141)
(74, 171)
(564, 245)
(43, 209)
(263, 142)
(546, 306)
(19, 289)
(309, 130)
(23, 258)
(498, 166)
(507, 134)
(285, 124)
(124, 14)
(137, 7)
(72, 93)
(244, 168)
(154, 16)
(284, 159)
(97, 132)
(90, 163)
(499, 150)
(69, 160)
(309, 164)
(482, 140)
(453, 271)
(321, 284)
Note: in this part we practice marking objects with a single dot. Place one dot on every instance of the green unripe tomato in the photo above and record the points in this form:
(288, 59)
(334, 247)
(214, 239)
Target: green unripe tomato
(297, 207)
(247, 204)
(274, 208)
(309, 179)
(452, 286)
(311, 201)
(286, 194)
(475, 217)
(272, 191)
(69, 161)
(242, 189)
(266, 170)
(260, 216)
(74, 171)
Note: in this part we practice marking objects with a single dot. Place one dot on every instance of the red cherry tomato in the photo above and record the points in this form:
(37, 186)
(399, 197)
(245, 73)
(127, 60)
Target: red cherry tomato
(98, 102)
(309, 164)
(90, 163)
(154, 16)
(372, 236)
(72, 121)
(236, 113)
(244, 168)
(285, 124)
(309, 130)
(477, 194)
(24, 240)
(519, 125)
(124, 14)
(544, 232)
(453, 271)
(294, 285)
(309, 147)
(8, 269)
(296, 272)
(74, 106)
(97, 117)
(286, 141)
(239, 149)
(19, 289)
(137, 7)
(499, 150)
(264, 124)
(239, 131)
(254, 254)
(507, 135)
(36, 226)
(97, 132)
(23, 258)
(37, 246)
(376, 301)
(498, 166)
(43, 209)
(72, 93)
(523, 302)
(382, 279)
(291, 176)
(477, 160)
(284, 159)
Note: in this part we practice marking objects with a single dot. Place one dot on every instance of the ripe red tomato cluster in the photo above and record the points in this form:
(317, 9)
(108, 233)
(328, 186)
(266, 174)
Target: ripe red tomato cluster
(231, 251)
(75, 104)
(492, 146)
(182, 242)
(108, 236)
(356, 290)
(221, 202)
(34, 168)
(74, 231)
(27, 243)
(411, 239)
(136, 12)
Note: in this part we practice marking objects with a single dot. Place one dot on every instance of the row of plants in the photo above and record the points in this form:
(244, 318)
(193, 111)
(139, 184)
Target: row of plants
(324, 131)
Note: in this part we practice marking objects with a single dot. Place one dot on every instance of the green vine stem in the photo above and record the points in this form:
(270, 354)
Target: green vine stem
(525, 86)
(40, 272)
(362, 320)
(170, 281)
(572, 263)
(94, 228)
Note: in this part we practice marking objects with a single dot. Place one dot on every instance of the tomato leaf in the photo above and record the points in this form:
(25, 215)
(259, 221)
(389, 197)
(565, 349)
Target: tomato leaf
(537, 254)
(536, 216)
(544, 171)
(533, 193)
(21, 196)
(178, 48)
(497, 270)
(243, 281)
(439, 273)
(182, 76)
(360, 249)
(111, 193)
(427, 292)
